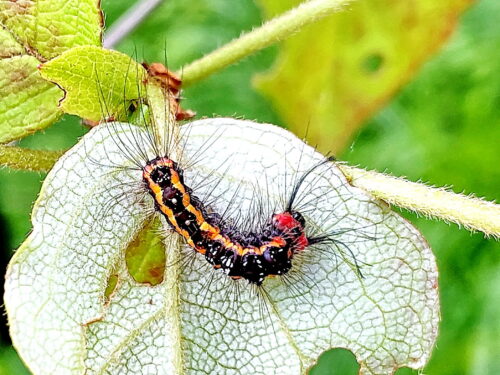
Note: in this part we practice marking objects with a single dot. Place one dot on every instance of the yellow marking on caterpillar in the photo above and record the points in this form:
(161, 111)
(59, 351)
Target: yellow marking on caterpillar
(158, 194)
(199, 217)
(213, 233)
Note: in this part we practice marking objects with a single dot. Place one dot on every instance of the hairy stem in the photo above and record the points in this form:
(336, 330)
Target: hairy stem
(469, 212)
(275, 30)
(28, 160)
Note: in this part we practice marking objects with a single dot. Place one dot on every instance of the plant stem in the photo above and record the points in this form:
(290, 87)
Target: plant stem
(28, 160)
(472, 213)
(275, 30)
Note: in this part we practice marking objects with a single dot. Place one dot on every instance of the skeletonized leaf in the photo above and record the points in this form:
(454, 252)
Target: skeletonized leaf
(65, 320)
(339, 71)
(85, 73)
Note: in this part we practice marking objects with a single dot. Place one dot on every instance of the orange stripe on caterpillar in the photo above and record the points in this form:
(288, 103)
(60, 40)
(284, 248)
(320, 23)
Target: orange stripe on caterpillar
(252, 256)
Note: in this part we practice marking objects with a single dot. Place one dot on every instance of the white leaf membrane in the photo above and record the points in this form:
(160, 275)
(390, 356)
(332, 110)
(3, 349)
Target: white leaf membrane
(198, 321)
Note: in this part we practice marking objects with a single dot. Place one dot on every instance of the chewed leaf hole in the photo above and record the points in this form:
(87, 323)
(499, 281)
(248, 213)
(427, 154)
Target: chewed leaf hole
(372, 63)
(145, 255)
(336, 362)
(112, 282)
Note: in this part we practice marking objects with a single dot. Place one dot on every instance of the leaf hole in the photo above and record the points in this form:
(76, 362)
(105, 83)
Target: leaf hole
(145, 255)
(110, 288)
(372, 63)
(336, 362)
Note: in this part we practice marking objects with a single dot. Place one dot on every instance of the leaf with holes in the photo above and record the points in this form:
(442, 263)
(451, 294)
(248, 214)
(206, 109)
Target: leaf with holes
(75, 304)
(339, 71)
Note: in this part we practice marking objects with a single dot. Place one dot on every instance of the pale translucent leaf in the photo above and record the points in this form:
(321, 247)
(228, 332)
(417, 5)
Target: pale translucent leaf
(62, 322)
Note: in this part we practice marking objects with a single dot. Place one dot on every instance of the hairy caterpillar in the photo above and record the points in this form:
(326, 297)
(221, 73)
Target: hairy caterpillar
(245, 172)
(254, 247)
(252, 255)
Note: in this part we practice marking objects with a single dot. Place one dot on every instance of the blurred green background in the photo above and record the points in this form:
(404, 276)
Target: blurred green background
(442, 128)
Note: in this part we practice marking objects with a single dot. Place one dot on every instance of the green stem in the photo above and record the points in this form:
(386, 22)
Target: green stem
(469, 212)
(28, 160)
(275, 30)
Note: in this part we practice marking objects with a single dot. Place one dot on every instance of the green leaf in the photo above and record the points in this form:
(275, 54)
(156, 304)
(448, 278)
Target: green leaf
(32, 32)
(29, 103)
(338, 72)
(8, 45)
(98, 82)
(63, 318)
(47, 28)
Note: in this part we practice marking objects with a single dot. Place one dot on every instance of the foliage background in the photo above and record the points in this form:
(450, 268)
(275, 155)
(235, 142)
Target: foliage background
(442, 128)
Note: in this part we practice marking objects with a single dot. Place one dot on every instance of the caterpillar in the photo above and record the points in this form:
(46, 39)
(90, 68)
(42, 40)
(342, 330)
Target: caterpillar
(276, 234)
(249, 174)
(259, 251)
(252, 255)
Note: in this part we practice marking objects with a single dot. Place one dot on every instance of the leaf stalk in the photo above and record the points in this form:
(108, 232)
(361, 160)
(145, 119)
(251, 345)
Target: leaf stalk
(467, 211)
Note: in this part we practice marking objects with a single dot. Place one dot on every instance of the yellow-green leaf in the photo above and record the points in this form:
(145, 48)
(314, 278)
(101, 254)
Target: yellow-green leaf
(338, 72)
(28, 103)
(111, 287)
(31, 32)
(49, 27)
(8, 45)
(97, 82)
